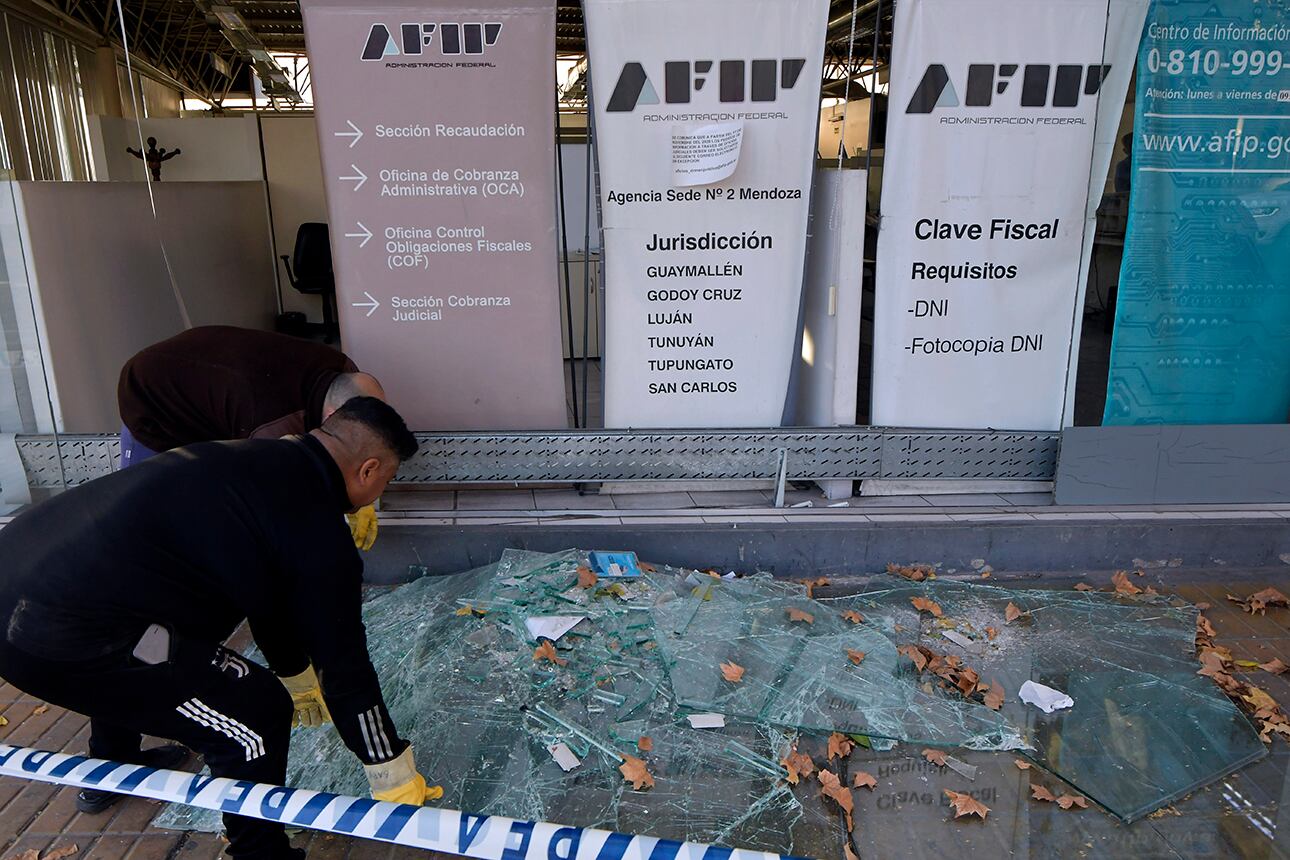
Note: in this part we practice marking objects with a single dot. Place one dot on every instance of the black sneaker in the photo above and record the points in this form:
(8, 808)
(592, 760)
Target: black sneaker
(92, 801)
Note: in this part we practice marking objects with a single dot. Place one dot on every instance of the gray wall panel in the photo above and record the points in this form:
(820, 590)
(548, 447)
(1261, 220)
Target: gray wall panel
(1174, 464)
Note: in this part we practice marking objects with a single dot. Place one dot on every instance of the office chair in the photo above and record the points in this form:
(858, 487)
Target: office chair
(312, 275)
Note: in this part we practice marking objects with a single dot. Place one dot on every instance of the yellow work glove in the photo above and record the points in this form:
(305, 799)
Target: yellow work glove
(397, 781)
(306, 695)
(362, 526)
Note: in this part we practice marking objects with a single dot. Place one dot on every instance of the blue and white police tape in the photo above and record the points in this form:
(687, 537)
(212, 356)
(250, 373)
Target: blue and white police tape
(488, 837)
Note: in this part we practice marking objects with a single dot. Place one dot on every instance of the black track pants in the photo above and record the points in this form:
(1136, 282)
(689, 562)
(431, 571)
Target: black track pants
(233, 712)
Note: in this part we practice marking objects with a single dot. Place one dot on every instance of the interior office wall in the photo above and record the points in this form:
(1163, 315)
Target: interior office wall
(584, 271)
(212, 149)
(574, 189)
(97, 302)
(856, 132)
(293, 170)
(151, 99)
(24, 405)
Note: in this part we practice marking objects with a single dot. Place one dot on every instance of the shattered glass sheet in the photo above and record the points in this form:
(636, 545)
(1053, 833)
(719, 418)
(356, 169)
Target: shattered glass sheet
(483, 715)
(1145, 729)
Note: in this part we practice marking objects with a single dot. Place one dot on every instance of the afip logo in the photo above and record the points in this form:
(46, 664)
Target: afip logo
(414, 39)
(737, 81)
(986, 80)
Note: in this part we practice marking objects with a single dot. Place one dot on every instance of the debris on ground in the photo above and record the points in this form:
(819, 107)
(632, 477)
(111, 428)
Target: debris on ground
(775, 676)
(1044, 698)
(913, 572)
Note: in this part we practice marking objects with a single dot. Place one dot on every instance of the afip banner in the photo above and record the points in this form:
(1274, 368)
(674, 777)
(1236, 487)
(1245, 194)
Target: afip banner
(1202, 323)
(706, 114)
(990, 182)
(437, 133)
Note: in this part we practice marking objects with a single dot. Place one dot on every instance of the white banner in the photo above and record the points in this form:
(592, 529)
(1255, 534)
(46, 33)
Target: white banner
(990, 166)
(706, 114)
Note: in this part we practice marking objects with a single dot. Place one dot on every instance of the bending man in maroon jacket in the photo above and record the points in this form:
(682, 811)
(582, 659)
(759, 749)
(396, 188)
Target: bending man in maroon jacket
(116, 597)
(215, 383)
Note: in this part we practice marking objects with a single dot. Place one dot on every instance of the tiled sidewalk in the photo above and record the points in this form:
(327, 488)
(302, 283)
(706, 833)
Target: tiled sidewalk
(1244, 815)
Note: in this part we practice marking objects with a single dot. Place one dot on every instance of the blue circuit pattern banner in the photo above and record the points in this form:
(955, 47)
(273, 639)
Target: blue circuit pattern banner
(1202, 329)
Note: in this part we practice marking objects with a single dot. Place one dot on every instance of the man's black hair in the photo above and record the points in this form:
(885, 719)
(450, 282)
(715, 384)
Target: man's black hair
(382, 419)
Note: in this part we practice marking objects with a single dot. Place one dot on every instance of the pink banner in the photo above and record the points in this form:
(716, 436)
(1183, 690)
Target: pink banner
(437, 133)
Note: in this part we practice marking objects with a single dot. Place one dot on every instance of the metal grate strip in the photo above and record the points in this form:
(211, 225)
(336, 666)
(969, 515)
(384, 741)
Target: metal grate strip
(608, 455)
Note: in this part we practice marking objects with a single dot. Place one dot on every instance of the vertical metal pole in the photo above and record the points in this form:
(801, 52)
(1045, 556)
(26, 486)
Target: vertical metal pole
(600, 234)
(873, 89)
(586, 248)
(564, 257)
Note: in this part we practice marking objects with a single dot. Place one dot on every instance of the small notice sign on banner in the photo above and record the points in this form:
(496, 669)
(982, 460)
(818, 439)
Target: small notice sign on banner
(705, 154)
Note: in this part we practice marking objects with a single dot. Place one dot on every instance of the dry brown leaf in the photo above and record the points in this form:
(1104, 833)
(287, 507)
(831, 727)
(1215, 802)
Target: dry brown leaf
(732, 672)
(1122, 585)
(966, 804)
(864, 779)
(40, 709)
(994, 696)
(1066, 801)
(991, 633)
(853, 616)
(935, 756)
(1258, 603)
(835, 790)
(858, 656)
(633, 771)
(1260, 700)
(29, 854)
(795, 614)
(4, 721)
(647, 567)
(1204, 630)
(798, 765)
(924, 604)
(1021, 765)
(967, 681)
(472, 611)
(586, 577)
(1275, 666)
(914, 653)
(915, 572)
(985, 574)
(812, 583)
(840, 746)
(1211, 663)
(1039, 792)
(847, 853)
(61, 852)
(1084, 586)
(645, 743)
(546, 651)
(1011, 613)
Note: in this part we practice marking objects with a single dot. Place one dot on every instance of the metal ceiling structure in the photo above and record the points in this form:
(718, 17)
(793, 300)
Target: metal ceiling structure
(200, 46)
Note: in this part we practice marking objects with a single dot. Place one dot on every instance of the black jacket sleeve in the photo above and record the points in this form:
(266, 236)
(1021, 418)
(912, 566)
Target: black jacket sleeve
(280, 643)
(327, 600)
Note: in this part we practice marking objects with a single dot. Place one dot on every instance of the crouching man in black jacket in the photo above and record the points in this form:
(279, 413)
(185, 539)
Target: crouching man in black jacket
(115, 598)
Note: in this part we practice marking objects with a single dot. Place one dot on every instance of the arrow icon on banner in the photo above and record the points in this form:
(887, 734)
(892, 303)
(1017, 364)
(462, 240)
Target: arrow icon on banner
(361, 177)
(366, 235)
(371, 304)
(357, 133)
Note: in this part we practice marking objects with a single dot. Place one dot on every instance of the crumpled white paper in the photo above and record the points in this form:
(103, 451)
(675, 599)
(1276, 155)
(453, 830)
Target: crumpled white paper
(1044, 698)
